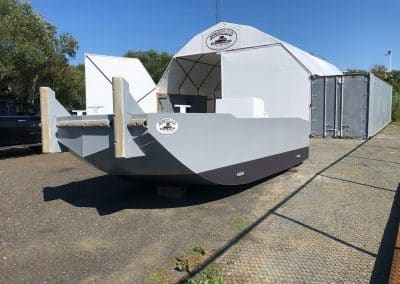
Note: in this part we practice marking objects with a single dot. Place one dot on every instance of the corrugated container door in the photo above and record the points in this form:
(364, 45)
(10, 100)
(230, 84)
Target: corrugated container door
(355, 106)
(330, 107)
(317, 106)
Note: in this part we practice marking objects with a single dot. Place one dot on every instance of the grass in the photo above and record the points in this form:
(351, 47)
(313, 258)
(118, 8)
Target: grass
(238, 223)
(396, 106)
(210, 275)
(192, 261)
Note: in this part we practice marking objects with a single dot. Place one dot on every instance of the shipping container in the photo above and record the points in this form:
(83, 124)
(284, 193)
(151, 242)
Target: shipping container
(349, 106)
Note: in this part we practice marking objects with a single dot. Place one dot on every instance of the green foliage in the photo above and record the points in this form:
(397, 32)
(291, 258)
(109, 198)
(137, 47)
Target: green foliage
(154, 61)
(352, 71)
(379, 71)
(209, 275)
(32, 54)
(393, 78)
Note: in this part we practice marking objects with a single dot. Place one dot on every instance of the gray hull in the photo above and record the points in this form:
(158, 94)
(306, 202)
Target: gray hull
(257, 170)
(199, 148)
(206, 149)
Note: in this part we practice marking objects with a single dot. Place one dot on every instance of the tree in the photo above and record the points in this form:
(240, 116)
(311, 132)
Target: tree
(32, 54)
(393, 78)
(379, 71)
(153, 61)
(352, 71)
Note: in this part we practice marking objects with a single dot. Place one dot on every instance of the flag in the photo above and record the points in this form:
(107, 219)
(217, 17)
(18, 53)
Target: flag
(388, 53)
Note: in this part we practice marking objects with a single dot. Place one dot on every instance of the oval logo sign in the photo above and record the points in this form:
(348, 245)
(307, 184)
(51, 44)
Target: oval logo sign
(167, 126)
(221, 39)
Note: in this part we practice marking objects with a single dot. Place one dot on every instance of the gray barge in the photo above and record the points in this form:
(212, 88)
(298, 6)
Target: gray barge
(210, 120)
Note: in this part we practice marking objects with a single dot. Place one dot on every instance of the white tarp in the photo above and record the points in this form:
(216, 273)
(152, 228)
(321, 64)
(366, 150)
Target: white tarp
(250, 37)
(238, 61)
(99, 70)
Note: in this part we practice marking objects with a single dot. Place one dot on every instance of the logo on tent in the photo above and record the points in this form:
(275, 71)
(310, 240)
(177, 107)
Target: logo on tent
(221, 39)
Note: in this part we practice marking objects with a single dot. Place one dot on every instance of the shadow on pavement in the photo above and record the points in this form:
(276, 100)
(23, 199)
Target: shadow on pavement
(383, 263)
(268, 213)
(20, 151)
(109, 194)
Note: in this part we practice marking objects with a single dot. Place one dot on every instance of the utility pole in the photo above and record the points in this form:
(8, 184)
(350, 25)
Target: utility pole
(217, 11)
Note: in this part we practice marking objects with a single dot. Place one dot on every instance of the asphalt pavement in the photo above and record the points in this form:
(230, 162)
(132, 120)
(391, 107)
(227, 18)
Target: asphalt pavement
(330, 219)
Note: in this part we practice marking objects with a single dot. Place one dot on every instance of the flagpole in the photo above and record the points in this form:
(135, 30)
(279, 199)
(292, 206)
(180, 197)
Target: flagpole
(390, 62)
(217, 11)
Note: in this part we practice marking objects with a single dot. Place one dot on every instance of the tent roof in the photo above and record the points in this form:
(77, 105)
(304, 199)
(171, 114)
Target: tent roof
(247, 37)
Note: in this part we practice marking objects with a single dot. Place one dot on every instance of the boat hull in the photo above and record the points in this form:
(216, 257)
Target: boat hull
(190, 148)
(214, 149)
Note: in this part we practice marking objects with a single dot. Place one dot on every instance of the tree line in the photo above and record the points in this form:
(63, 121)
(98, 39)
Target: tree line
(34, 54)
(393, 78)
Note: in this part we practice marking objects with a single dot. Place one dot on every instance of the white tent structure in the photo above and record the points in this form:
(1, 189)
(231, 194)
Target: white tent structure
(244, 71)
(99, 70)
(232, 107)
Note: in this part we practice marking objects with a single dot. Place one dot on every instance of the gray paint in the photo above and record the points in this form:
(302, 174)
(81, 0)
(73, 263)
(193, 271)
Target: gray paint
(318, 106)
(208, 141)
(202, 143)
(355, 100)
(349, 106)
(330, 107)
(240, 149)
(85, 141)
(52, 109)
(380, 102)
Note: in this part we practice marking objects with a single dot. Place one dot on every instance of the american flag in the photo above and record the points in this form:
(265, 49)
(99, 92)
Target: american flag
(389, 52)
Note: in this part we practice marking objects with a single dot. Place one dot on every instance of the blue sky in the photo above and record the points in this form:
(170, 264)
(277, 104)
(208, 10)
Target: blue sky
(348, 33)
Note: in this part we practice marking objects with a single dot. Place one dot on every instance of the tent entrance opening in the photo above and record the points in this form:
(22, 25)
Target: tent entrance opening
(191, 84)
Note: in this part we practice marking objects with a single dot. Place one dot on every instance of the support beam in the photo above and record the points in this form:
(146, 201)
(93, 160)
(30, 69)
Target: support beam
(50, 109)
(119, 117)
(84, 123)
(127, 114)
(44, 119)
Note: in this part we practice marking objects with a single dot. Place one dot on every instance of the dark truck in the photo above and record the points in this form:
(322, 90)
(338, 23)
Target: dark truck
(19, 124)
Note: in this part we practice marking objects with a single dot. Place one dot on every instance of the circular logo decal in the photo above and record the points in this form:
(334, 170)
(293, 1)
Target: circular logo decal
(221, 39)
(167, 126)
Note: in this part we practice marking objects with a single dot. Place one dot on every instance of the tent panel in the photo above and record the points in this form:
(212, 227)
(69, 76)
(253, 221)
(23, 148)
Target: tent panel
(211, 83)
(277, 79)
(210, 58)
(187, 88)
(171, 79)
(186, 65)
(99, 70)
(315, 65)
(199, 73)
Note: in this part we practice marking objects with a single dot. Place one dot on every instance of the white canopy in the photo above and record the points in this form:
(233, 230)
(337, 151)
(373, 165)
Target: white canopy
(250, 37)
(230, 61)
